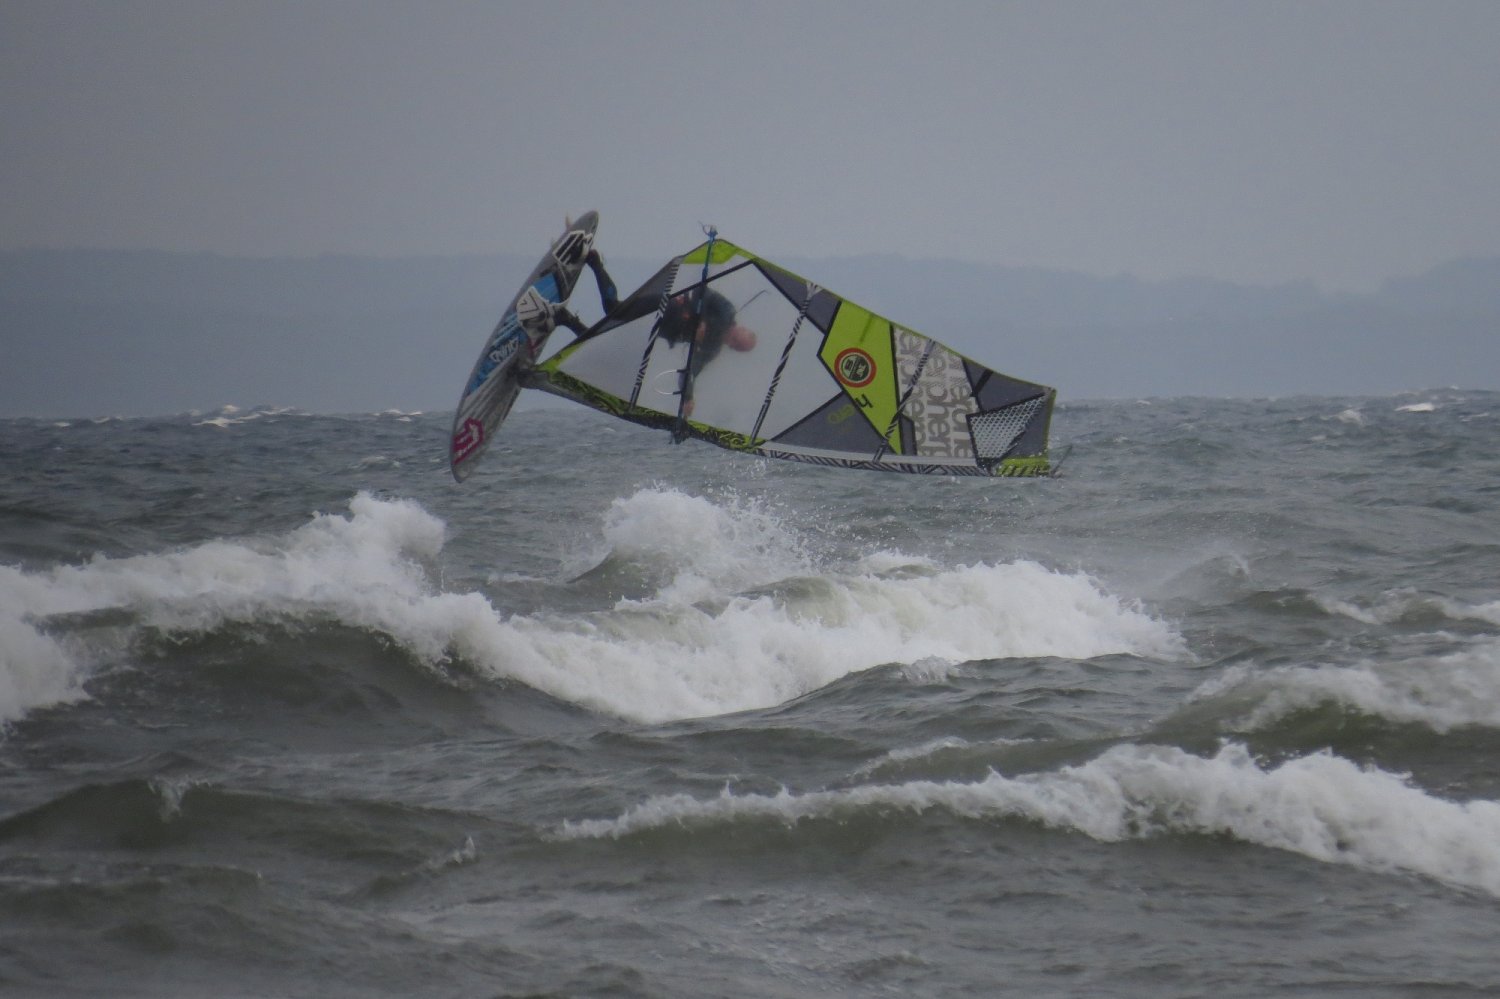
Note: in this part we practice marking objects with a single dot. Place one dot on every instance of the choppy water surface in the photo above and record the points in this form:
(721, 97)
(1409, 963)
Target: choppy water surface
(286, 711)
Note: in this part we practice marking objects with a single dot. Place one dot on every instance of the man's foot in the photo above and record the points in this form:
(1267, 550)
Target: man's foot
(534, 311)
(574, 248)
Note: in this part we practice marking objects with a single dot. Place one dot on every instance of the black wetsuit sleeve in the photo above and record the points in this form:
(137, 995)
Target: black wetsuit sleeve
(609, 298)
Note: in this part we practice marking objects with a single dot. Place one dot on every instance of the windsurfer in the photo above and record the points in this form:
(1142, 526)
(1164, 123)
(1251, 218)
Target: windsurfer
(704, 318)
(710, 326)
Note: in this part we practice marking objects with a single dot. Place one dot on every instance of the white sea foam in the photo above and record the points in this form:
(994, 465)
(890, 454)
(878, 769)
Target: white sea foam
(1321, 806)
(361, 570)
(708, 548)
(35, 670)
(1440, 692)
(1396, 604)
(229, 415)
(676, 661)
(928, 751)
(930, 670)
(227, 418)
(694, 649)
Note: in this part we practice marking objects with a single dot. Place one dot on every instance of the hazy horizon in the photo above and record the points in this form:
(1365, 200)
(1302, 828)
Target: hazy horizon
(94, 332)
(636, 262)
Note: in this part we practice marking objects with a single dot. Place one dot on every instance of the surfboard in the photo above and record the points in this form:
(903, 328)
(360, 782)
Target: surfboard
(515, 344)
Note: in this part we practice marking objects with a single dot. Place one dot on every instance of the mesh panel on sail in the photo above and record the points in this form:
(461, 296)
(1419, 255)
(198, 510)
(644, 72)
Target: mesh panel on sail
(996, 432)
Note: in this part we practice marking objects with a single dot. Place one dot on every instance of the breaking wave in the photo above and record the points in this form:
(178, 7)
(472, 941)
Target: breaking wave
(1321, 806)
(743, 614)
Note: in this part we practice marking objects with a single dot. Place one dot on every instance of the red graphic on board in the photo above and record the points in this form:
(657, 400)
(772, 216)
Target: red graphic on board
(470, 435)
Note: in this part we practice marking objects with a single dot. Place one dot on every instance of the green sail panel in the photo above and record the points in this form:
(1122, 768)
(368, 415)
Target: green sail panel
(804, 374)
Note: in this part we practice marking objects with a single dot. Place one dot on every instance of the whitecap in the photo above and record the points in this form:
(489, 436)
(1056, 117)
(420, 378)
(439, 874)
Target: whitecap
(699, 646)
(1320, 806)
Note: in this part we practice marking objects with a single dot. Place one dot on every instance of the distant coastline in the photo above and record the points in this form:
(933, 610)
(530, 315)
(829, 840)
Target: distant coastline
(121, 332)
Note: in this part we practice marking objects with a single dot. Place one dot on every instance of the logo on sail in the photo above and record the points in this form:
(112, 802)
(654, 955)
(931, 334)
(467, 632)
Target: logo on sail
(854, 368)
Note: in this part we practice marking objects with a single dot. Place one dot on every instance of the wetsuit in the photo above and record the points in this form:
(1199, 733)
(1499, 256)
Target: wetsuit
(679, 324)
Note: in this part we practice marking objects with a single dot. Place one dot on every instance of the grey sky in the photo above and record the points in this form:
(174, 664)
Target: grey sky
(1259, 142)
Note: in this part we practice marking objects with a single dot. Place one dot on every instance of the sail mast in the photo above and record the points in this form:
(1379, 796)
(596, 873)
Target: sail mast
(680, 431)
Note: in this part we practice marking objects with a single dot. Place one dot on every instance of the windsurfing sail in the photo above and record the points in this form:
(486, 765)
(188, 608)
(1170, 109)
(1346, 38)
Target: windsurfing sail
(822, 379)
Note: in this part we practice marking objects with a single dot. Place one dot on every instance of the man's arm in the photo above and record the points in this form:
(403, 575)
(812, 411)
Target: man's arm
(608, 297)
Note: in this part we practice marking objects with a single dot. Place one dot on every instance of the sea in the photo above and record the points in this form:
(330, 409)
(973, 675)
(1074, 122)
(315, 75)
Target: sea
(286, 711)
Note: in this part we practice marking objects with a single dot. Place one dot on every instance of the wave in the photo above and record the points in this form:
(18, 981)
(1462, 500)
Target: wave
(161, 810)
(60, 626)
(1321, 806)
(35, 670)
(1442, 692)
(744, 611)
(744, 614)
(727, 609)
(1405, 604)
